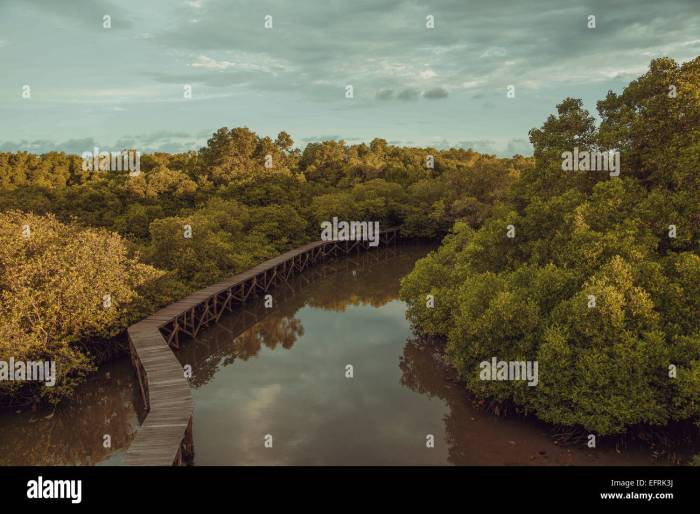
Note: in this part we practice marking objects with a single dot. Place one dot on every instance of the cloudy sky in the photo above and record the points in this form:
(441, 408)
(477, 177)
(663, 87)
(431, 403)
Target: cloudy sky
(412, 85)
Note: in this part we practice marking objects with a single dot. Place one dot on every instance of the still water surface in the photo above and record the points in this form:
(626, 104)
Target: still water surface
(282, 372)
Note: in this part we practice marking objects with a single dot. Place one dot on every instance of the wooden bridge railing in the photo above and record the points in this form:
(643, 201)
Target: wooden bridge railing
(165, 437)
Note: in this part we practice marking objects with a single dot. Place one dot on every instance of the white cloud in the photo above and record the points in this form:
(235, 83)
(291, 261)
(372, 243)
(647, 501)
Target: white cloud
(241, 61)
(211, 64)
(471, 84)
(494, 51)
(260, 401)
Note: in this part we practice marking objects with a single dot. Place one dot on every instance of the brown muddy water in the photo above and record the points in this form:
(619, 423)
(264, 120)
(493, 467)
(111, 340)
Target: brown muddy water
(282, 372)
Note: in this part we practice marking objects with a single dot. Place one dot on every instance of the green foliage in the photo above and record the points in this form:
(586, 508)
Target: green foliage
(53, 282)
(240, 211)
(581, 235)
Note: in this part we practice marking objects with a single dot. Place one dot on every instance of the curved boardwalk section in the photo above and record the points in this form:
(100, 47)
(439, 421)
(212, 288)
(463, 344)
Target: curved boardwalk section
(165, 437)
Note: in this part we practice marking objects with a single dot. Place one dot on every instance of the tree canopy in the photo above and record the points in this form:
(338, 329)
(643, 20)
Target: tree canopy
(600, 280)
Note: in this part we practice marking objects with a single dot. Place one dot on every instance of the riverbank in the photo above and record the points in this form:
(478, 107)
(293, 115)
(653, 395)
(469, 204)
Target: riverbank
(282, 371)
(674, 444)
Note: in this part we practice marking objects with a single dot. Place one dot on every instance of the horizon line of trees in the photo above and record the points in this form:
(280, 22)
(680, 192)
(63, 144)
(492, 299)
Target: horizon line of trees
(96, 233)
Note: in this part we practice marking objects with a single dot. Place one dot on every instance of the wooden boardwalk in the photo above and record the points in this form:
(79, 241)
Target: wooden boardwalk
(165, 437)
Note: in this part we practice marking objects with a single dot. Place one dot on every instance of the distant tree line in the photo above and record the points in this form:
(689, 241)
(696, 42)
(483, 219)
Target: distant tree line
(245, 198)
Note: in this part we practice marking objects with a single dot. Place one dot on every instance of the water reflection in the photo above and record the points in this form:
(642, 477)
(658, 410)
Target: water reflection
(477, 437)
(334, 286)
(281, 372)
(74, 433)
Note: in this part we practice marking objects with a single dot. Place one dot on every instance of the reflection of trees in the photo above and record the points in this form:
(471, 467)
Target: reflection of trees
(375, 282)
(270, 332)
(420, 372)
(74, 433)
(471, 435)
(241, 335)
(423, 373)
(330, 286)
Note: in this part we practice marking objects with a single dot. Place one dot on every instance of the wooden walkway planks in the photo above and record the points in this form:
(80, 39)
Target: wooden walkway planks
(167, 397)
(165, 437)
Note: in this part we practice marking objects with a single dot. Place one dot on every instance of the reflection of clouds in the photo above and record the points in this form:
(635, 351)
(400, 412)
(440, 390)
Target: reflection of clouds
(257, 410)
(315, 414)
(301, 397)
(261, 399)
(242, 334)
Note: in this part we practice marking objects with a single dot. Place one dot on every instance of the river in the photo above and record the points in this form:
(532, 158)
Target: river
(331, 374)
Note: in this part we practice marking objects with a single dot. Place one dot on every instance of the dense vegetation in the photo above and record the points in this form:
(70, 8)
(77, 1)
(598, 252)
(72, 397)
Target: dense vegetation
(630, 357)
(595, 285)
(54, 286)
(104, 233)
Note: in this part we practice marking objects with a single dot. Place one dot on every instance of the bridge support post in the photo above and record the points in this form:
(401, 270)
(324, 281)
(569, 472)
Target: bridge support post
(187, 446)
